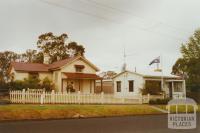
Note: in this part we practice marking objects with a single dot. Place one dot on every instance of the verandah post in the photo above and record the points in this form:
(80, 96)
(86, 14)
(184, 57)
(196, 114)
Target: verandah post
(163, 95)
(79, 97)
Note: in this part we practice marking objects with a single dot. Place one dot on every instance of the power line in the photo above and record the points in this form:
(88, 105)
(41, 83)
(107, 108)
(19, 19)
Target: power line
(104, 18)
(139, 17)
(124, 12)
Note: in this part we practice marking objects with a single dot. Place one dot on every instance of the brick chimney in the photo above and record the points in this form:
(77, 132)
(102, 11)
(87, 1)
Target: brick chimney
(46, 58)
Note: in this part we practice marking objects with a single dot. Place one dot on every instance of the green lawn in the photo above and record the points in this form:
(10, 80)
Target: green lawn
(181, 108)
(27, 112)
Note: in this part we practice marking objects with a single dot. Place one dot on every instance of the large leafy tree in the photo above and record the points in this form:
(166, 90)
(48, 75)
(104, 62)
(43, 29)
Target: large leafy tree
(74, 49)
(29, 56)
(5, 59)
(56, 46)
(53, 45)
(179, 68)
(189, 64)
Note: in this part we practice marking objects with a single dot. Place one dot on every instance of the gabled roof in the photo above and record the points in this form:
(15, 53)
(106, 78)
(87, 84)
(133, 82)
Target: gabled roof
(150, 75)
(38, 67)
(125, 72)
(61, 63)
(158, 75)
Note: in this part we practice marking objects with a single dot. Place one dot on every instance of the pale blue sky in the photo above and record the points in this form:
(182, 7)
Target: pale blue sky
(146, 28)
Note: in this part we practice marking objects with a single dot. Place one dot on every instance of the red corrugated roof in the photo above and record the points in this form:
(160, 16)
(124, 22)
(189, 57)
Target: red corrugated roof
(30, 67)
(37, 67)
(82, 76)
(61, 63)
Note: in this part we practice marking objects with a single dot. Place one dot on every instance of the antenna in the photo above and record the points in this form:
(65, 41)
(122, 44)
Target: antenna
(124, 65)
(124, 55)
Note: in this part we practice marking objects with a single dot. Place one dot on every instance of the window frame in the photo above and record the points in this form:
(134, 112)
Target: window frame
(118, 86)
(129, 87)
(33, 75)
(79, 70)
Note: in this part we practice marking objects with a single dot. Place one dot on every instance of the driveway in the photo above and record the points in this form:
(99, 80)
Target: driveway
(132, 124)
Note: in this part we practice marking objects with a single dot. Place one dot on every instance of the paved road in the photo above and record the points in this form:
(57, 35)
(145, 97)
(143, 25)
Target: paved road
(134, 124)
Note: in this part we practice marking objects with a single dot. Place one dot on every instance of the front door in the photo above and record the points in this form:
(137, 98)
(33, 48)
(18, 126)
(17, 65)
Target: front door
(70, 86)
(170, 89)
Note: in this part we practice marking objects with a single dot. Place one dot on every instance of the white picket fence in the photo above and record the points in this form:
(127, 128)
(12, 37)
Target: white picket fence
(38, 97)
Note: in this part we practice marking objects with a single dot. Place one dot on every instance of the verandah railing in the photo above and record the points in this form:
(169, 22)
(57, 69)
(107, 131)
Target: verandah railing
(43, 97)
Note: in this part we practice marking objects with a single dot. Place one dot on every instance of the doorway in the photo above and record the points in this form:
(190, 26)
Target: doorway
(170, 89)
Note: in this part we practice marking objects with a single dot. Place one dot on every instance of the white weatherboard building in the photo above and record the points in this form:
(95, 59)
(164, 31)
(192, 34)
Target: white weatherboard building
(129, 84)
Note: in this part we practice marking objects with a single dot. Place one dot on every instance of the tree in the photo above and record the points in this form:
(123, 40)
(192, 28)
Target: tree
(39, 57)
(74, 49)
(189, 64)
(107, 74)
(5, 59)
(28, 56)
(179, 68)
(57, 48)
(53, 45)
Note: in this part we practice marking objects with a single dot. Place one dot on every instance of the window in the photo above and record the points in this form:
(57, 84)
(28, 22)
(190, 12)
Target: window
(33, 75)
(118, 86)
(177, 86)
(79, 68)
(131, 85)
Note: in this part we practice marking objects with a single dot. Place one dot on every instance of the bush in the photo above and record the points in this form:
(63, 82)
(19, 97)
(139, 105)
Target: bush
(47, 84)
(159, 101)
(194, 95)
(4, 86)
(32, 83)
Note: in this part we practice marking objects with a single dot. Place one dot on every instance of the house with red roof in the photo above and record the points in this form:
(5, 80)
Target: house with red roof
(72, 74)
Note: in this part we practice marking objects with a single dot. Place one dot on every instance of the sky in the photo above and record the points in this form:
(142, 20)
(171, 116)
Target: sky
(144, 29)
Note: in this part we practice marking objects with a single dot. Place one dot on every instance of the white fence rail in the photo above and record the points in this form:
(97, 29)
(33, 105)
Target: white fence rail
(53, 97)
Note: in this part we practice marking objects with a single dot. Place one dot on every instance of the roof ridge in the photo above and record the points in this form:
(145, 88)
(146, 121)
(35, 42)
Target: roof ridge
(30, 63)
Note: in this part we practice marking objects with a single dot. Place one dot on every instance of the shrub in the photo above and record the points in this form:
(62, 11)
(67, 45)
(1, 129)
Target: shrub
(159, 101)
(4, 86)
(32, 83)
(194, 95)
(47, 84)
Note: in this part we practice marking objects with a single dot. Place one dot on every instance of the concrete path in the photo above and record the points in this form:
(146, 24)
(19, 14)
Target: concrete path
(159, 109)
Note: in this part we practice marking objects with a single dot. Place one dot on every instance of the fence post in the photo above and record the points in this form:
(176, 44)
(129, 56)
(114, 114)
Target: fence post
(53, 96)
(102, 97)
(10, 94)
(23, 96)
(148, 96)
(141, 98)
(42, 98)
(79, 97)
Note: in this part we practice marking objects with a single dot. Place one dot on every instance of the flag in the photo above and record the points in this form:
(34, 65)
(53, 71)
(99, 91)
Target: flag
(156, 60)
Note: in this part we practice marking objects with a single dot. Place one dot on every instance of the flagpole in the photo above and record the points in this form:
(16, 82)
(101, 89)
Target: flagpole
(162, 77)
